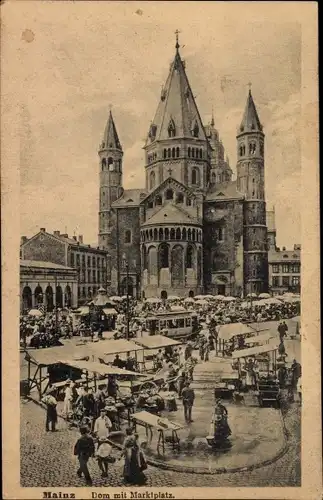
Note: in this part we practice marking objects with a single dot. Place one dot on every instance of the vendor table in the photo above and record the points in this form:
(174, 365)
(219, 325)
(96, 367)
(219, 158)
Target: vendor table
(162, 425)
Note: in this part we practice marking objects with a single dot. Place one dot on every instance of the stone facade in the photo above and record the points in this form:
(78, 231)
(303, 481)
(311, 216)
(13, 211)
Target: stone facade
(91, 263)
(192, 229)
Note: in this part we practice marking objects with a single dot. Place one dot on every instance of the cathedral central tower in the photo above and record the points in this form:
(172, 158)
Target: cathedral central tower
(176, 139)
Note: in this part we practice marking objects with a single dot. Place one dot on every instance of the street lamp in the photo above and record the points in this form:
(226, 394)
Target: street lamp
(126, 266)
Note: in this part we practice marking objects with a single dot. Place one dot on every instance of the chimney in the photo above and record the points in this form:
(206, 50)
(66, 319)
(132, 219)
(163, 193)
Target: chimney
(75, 238)
(23, 240)
(57, 233)
(42, 229)
(81, 239)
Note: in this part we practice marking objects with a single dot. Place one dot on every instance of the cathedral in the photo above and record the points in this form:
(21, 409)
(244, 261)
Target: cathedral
(192, 229)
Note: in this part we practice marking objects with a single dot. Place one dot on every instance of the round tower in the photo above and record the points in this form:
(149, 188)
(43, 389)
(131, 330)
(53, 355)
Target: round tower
(110, 154)
(251, 183)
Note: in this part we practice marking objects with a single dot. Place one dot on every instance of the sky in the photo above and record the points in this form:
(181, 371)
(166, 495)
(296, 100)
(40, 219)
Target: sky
(75, 62)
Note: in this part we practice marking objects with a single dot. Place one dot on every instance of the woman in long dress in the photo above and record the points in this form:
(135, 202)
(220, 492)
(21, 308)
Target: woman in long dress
(134, 461)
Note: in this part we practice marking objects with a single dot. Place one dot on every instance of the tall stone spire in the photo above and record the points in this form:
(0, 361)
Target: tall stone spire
(110, 136)
(250, 120)
(177, 114)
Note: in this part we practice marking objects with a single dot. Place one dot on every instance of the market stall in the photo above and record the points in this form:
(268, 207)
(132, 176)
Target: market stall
(153, 344)
(227, 334)
(167, 430)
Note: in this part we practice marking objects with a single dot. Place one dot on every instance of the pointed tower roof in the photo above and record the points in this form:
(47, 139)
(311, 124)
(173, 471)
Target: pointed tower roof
(177, 114)
(110, 137)
(250, 121)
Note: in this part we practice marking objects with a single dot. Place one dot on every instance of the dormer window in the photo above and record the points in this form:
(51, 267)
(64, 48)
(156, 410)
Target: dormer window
(152, 132)
(163, 94)
(103, 164)
(171, 129)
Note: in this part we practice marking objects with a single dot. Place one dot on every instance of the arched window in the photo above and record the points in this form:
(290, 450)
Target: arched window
(158, 200)
(178, 233)
(147, 235)
(193, 152)
(127, 236)
(150, 204)
(193, 234)
(165, 153)
(201, 153)
(103, 163)
(152, 180)
(177, 152)
(161, 234)
(189, 257)
(221, 234)
(151, 234)
(166, 233)
(163, 256)
(155, 234)
(173, 152)
(252, 148)
(172, 234)
(189, 152)
(171, 129)
(213, 177)
(169, 194)
(184, 234)
(179, 198)
(189, 235)
(196, 130)
(195, 176)
(169, 153)
(188, 202)
(110, 164)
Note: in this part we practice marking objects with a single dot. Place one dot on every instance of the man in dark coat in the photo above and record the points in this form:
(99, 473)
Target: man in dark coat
(51, 411)
(84, 449)
(188, 397)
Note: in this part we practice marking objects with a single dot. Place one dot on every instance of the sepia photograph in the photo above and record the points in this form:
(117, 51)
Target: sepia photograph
(159, 304)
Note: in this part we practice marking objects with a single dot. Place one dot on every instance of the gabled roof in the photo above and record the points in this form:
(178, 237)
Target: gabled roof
(227, 190)
(130, 198)
(284, 256)
(177, 106)
(110, 137)
(250, 120)
(171, 182)
(171, 214)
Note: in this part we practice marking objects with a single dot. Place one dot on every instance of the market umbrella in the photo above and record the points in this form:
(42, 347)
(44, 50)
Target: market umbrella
(271, 301)
(228, 299)
(189, 300)
(209, 297)
(264, 296)
(219, 297)
(35, 312)
(251, 296)
(199, 297)
(115, 298)
(153, 300)
(201, 302)
(173, 297)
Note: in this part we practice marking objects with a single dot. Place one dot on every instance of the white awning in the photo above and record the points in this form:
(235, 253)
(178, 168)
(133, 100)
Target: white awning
(109, 311)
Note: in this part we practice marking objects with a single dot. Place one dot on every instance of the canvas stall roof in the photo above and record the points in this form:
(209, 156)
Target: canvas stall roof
(119, 346)
(53, 355)
(226, 332)
(156, 341)
(264, 337)
(101, 368)
(253, 351)
(109, 311)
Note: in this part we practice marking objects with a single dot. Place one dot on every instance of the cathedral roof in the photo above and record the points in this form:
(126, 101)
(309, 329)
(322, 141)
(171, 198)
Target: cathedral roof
(170, 214)
(250, 121)
(110, 137)
(227, 190)
(177, 108)
(130, 198)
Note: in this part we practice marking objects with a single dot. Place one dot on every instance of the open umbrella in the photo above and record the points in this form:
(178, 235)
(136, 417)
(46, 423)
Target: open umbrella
(115, 298)
(189, 300)
(228, 299)
(251, 296)
(35, 312)
(199, 297)
(264, 296)
(153, 300)
(172, 298)
(201, 302)
(271, 301)
(219, 297)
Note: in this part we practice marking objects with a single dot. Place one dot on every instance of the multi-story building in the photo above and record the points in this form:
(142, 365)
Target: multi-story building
(47, 284)
(284, 265)
(191, 229)
(91, 263)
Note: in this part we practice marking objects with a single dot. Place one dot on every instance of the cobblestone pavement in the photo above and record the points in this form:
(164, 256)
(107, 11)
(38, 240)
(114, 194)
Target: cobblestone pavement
(47, 460)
